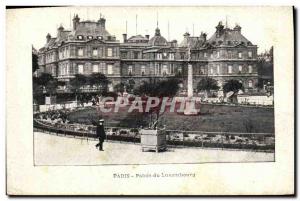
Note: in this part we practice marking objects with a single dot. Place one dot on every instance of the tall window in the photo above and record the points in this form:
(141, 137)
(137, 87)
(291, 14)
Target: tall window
(229, 55)
(80, 51)
(240, 68)
(165, 70)
(129, 70)
(205, 55)
(240, 55)
(218, 69)
(250, 54)
(171, 56)
(95, 68)
(211, 70)
(109, 69)
(229, 69)
(80, 68)
(109, 52)
(135, 55)
(250, 83)
(179, 69)
(102, 68)
(143, 70)
(159, 56)
(250, 69)
(66, 69)
(218, 54)
(95, 51)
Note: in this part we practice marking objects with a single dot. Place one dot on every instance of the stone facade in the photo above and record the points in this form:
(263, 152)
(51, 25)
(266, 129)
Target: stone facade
(90, 48)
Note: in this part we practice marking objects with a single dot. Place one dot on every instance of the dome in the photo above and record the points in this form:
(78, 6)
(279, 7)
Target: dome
(158, 40)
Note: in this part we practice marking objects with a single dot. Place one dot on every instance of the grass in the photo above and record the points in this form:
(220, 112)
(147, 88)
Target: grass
(212, 118)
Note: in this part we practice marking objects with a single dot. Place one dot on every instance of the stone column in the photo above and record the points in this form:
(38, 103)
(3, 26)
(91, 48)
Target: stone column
(190, 107)
(190, 91)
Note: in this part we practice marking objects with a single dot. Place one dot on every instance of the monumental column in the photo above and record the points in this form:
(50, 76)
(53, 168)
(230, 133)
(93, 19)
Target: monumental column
(190, 108)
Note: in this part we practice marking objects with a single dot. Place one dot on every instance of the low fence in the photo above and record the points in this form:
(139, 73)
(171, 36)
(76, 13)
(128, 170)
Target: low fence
(176, 138)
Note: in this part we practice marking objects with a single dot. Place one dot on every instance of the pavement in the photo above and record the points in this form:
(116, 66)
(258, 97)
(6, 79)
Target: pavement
(60, 150)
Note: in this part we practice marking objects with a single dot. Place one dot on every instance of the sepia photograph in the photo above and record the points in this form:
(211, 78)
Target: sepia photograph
(167, 94)
(150, 93)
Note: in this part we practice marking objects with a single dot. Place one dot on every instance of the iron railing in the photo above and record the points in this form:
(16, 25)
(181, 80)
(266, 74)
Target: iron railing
(175, 138)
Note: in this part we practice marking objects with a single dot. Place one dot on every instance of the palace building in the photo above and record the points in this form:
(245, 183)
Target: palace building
(89, 48)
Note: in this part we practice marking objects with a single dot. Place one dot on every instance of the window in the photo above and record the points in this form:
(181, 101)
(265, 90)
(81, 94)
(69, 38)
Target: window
(250, 83)
(80, 37)
(229, 55)
(250, 54)
(99, 37)
(129, 70)
(80, 68)
(109, 69)
(109, 52)
(80, 51)
(143, 70)
(179, 70)
(211, 70)
(102, 68)
(66, 70)
(218, 69)
(240, 55)
(205, 54)
(165, 70)
(123, 55)
(95, 68)
(229, 69)
(212, 55)
(159, 56)
(95, 51)
(240, 68)
(90, 37)
(171, 56)
(218, 54)
(135, 55)
(165, 54)
(250, 68)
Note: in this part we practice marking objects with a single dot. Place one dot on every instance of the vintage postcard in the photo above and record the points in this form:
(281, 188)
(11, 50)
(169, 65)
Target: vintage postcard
(150, 100)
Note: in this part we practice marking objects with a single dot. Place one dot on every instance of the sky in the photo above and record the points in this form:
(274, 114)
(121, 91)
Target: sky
(258, 23)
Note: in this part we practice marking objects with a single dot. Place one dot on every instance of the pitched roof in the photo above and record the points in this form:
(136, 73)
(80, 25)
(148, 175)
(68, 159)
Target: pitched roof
(228, 37)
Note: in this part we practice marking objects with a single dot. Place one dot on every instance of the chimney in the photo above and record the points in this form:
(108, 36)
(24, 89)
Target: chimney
(76, 20)
(220, 29)
(186, 35)
(147, 36)
(102, 21)
(237, 28)
(124, 37)
(203, 36)
(48, 37)
(59, 30)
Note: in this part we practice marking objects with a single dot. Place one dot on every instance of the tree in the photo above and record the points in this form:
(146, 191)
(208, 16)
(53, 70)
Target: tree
(160, 89)
(51, 87)
(44, 78)
(232, 85)
(99, 80)
(35, 64)
(37, 90)
(206, 84)
(119, 87)
(76, 83)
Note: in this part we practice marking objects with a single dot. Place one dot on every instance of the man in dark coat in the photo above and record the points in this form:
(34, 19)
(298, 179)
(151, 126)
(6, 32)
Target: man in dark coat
(101, 135)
